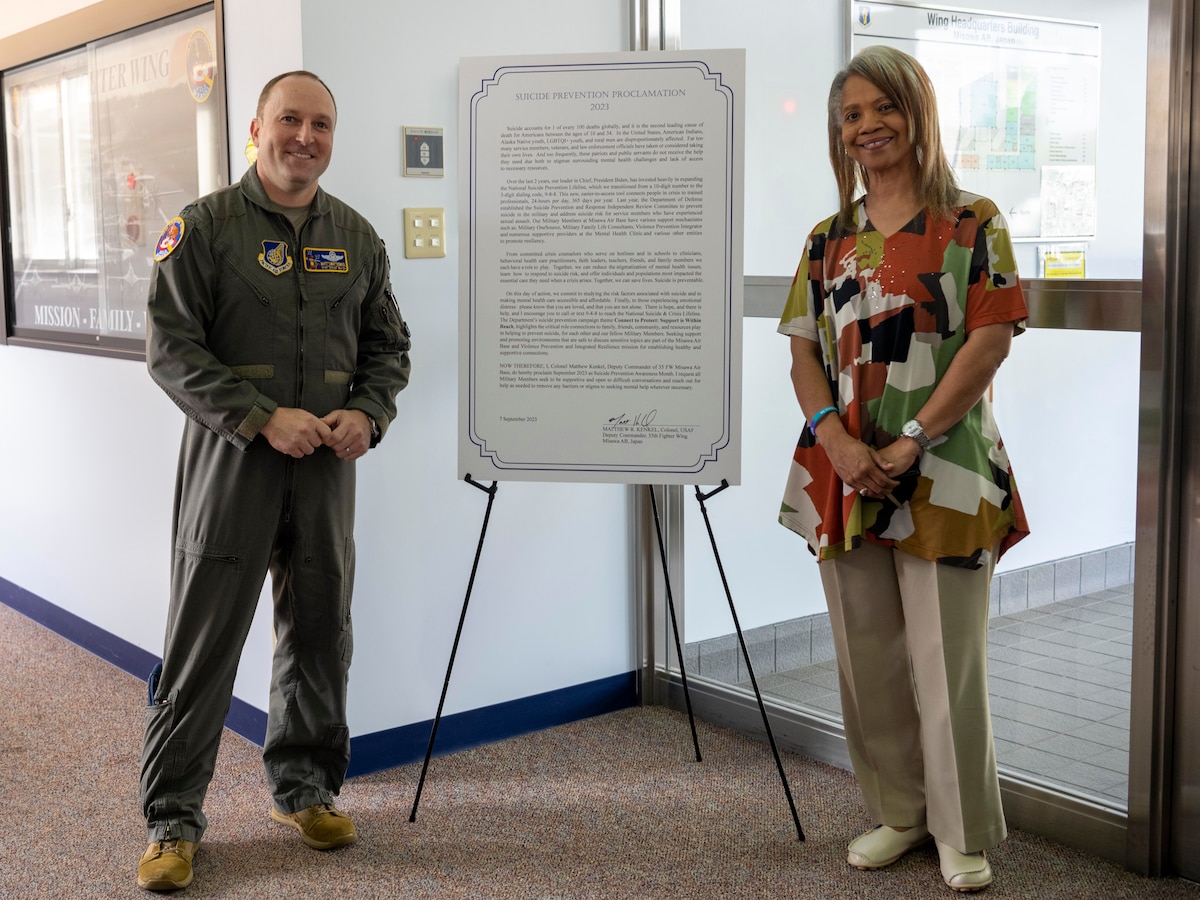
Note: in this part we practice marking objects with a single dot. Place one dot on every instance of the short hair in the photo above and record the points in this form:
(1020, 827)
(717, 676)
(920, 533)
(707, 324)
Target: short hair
(907, 85)
(301, 73)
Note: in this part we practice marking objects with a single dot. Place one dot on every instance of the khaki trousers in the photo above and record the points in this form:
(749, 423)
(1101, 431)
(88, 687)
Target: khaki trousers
(911, 640)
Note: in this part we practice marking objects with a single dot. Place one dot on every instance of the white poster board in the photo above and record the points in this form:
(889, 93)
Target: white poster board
(601, 267)
(1018, 104)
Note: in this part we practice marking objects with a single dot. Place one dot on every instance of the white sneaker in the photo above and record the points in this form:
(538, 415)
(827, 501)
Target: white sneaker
(964, 871)
(883, 845)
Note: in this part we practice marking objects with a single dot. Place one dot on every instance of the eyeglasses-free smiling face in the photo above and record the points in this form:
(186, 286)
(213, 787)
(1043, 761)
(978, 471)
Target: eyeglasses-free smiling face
(294, 137)
(874, 131)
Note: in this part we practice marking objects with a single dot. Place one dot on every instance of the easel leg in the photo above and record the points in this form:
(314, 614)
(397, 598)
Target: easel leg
(701, 497)
(491, 492)
(662, 552)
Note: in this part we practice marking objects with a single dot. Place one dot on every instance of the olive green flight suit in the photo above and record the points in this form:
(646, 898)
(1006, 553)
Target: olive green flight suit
(246, 315)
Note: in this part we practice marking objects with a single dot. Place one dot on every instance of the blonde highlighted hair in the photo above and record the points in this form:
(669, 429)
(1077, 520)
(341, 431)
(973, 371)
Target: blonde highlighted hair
(908, 86)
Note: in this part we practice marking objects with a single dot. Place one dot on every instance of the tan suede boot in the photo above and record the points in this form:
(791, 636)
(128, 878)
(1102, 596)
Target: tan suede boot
(167, 865)
(322, 827)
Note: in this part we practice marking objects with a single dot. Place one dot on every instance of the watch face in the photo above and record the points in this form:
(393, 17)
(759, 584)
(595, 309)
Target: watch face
(912, 428)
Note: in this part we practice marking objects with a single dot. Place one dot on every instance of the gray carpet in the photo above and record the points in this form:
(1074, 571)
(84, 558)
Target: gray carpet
(611, 807)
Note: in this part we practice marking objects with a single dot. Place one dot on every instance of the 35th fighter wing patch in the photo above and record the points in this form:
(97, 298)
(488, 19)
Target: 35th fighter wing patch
(169, 239)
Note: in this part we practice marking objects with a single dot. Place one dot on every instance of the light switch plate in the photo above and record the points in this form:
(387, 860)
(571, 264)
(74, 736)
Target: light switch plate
(424, 232)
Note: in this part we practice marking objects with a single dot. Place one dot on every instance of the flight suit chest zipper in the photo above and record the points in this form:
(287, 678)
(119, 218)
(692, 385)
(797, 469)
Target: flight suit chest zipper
(337, 301)
(299, 283)
(254, 289)
(289, 489)
(300, 347)
(289, 496)
(260, 296)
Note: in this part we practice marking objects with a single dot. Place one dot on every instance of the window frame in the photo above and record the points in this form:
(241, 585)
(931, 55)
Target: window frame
(99, 26)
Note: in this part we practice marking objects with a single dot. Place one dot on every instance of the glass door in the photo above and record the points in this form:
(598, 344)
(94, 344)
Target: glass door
(1164, 800)
(1063, 601)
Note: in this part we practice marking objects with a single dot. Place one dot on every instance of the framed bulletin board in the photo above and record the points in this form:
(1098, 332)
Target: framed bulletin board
(1018, 103)
(104, 144)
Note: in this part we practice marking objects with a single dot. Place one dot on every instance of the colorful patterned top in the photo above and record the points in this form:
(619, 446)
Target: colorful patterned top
(889, 314)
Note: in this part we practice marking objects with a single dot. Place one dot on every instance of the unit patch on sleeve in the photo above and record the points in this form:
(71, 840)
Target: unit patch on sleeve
(274, 257)
(169, 239)
(325, 259)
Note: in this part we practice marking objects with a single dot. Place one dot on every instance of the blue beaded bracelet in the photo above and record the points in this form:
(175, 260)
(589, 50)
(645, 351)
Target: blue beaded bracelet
(812, 426)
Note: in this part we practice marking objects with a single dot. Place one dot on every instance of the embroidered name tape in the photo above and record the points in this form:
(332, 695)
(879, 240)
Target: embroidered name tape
(325, 259)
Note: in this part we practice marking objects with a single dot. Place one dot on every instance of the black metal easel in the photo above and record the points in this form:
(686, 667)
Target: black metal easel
(662, 555)
(700, 498)
(491, 492)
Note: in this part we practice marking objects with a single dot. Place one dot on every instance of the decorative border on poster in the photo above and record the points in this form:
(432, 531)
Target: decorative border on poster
(490, 451)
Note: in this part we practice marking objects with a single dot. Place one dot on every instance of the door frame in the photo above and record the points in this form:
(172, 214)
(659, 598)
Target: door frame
(1162, 469)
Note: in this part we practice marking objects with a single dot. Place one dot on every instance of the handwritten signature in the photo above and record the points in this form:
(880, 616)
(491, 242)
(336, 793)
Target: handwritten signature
(638, 419)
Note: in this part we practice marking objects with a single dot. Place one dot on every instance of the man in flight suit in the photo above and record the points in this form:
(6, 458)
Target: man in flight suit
(274, 328)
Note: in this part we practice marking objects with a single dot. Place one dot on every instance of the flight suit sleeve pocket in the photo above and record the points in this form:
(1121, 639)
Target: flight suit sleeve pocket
(391, 324)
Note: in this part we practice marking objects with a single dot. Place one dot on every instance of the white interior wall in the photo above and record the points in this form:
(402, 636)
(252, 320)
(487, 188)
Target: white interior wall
(551, 604)
(85, 522)
(20, 17)
(91, 443)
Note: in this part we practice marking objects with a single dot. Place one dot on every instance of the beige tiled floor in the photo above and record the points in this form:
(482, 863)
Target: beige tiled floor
(1059, 679)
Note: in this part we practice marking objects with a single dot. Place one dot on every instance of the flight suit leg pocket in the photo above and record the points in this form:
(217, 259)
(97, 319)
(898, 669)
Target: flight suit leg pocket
(346, 625)
(164, 753)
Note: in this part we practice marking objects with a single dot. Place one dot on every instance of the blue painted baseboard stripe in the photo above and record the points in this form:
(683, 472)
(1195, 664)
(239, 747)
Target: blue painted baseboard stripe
(368, 752)
(242, 718)
(406, 744)
(122, 654)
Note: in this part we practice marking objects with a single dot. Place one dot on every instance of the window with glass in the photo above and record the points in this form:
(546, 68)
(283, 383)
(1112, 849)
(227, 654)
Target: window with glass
(105, 144)
(1061, 600)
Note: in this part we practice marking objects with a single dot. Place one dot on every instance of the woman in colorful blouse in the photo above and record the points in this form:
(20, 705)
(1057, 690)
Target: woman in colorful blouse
(903, 308)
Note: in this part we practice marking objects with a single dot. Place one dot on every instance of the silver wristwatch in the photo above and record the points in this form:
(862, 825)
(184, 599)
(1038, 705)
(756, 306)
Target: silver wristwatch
(912, 428)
